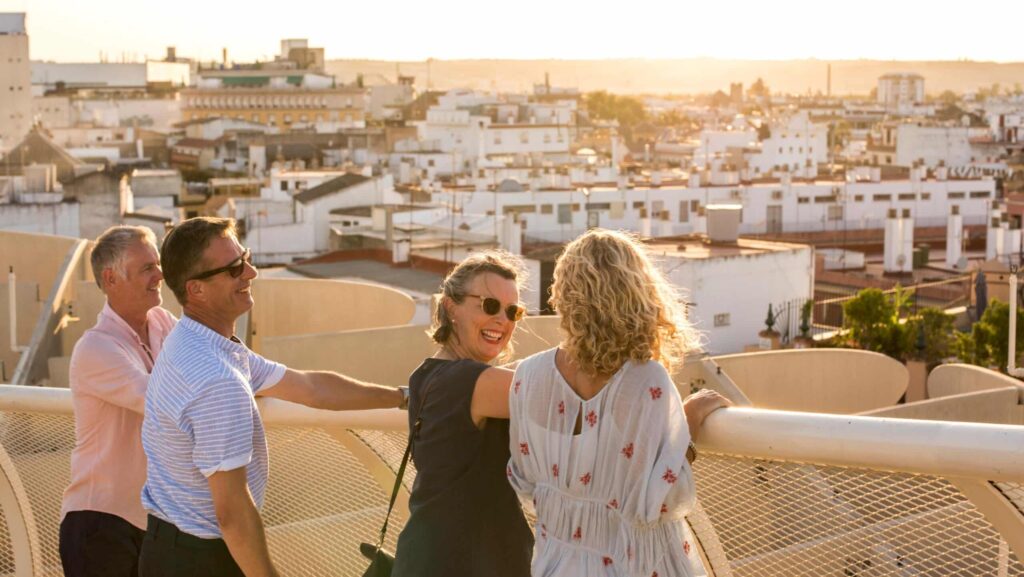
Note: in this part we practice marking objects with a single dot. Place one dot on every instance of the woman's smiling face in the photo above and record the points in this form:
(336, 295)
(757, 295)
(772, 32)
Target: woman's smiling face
(478, 335)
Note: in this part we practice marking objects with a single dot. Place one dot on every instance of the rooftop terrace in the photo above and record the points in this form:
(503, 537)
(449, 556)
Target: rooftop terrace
(818, 471)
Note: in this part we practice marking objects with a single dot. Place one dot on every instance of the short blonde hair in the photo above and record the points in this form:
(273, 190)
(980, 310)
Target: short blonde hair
(504, 264)
(617, 306)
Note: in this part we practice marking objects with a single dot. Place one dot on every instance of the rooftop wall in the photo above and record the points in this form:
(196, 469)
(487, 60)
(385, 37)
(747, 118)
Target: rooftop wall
(842, 381)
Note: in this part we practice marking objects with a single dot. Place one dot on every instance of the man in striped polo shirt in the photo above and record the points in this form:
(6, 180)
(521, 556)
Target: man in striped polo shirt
(202, 433)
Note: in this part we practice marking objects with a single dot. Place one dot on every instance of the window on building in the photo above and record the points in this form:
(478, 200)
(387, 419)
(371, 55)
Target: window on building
(835, 212)
(881, 197)
(565, 214)
(722, 320)
(518, 209)
(926, 196)
(284, 185)
(638, 204)
(684, 211)
(694, 205)
(955, 195)
(546, 209)
(803, 200)
(824, 199)
(858, 198)
(980, 194)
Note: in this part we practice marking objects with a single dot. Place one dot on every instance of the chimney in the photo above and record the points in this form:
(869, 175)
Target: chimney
(907, 237)
(511, 234)
(224, 57)
(993, 236)
(954, 237)
(898, 243)
(723, 222)
(172, 54)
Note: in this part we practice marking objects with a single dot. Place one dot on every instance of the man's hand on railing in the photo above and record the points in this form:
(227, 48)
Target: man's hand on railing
(699, 405)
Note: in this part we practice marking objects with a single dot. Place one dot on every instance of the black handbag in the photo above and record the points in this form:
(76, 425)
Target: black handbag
(382, 562)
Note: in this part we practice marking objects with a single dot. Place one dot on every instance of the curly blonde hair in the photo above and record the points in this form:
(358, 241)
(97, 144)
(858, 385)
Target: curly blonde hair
(617, 306)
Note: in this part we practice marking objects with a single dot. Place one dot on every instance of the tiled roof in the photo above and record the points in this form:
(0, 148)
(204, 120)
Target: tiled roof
(330, 187)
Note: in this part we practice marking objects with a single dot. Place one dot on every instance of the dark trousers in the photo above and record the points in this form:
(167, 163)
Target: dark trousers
(169, 552)
(94, 544)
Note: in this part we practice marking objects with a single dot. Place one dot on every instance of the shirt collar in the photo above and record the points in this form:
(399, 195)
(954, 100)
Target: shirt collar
(211, 336)
(111, 321)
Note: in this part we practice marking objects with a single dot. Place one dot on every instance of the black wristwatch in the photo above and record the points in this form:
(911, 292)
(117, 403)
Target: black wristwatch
(404, 404)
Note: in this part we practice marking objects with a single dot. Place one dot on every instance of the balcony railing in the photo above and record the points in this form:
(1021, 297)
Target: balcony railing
(780, 493)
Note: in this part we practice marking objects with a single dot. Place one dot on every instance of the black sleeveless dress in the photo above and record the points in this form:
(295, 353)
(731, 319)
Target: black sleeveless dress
(464, 518)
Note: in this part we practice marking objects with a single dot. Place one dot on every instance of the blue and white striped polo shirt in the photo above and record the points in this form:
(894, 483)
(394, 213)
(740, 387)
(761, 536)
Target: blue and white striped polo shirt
(201, 418)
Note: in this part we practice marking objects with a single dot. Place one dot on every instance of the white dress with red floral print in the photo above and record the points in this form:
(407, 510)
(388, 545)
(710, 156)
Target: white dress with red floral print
(611, 500)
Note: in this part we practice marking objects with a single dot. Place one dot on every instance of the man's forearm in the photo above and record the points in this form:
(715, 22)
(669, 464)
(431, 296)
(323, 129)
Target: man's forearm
(341, 393)
(247, 542)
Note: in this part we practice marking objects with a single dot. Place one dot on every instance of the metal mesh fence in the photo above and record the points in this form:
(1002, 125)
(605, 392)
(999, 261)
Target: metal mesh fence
(764, 518)
(780, 518)
(1014, 492)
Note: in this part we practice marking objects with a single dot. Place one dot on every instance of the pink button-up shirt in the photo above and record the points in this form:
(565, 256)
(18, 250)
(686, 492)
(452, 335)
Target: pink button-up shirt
(109, 370)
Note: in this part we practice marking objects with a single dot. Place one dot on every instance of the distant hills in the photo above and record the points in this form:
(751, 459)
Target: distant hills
(697, 75)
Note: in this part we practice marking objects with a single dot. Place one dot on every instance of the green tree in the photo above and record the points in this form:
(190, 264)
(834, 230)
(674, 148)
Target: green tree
(988, 342)
(933, 333)
(872, 322)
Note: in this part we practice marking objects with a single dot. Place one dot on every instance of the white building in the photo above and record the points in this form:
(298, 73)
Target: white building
(159, 114)
(109, 75)
(714, 144)
(898, 92)
(35, 203)
(860, 202)
(716, 280)
(51, 111)
(15, 80)
(479, 127)
(309, 231)
(795, 144)
(904, 144)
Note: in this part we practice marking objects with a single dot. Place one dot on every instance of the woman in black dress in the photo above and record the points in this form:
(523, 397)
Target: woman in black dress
(464, 518)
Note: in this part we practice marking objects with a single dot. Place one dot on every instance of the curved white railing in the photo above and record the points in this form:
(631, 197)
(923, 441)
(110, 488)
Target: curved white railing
(777, 489)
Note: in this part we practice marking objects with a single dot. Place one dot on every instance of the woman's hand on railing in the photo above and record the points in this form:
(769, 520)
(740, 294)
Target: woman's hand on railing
(699, 405)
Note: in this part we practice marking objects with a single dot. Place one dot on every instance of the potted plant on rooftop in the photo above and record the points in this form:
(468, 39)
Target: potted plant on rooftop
(804, 340)
(769, 337)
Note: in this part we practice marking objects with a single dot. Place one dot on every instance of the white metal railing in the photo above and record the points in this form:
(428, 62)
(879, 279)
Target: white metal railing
(780, 493)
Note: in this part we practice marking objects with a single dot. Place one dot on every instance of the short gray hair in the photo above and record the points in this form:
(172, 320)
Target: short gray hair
(111, 247)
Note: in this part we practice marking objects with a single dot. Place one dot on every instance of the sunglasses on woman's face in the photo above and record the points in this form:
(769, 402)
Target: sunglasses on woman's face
(235, 269)
(492, 306)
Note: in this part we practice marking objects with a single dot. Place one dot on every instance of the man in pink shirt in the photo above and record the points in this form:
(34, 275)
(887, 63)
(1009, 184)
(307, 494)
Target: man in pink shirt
(103, 519)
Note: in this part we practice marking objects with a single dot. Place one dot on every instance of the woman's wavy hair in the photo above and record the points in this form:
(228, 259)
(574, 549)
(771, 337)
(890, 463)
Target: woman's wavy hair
(617, 306)
(454, 287)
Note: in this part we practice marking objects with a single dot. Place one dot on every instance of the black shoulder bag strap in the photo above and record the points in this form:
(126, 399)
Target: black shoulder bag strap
(401, 468)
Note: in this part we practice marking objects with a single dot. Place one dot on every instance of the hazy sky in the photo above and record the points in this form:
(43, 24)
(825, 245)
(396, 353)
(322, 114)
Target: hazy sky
(78, 30)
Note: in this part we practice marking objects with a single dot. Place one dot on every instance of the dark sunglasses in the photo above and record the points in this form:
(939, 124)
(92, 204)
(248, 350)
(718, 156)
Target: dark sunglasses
(492, 306)
(235, 269)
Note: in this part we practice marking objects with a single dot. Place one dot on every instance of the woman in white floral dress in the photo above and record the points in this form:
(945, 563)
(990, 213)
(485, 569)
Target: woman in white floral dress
(600, 438)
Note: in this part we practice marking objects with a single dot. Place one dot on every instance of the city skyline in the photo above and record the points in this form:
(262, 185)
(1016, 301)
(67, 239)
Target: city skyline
(66, 31)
